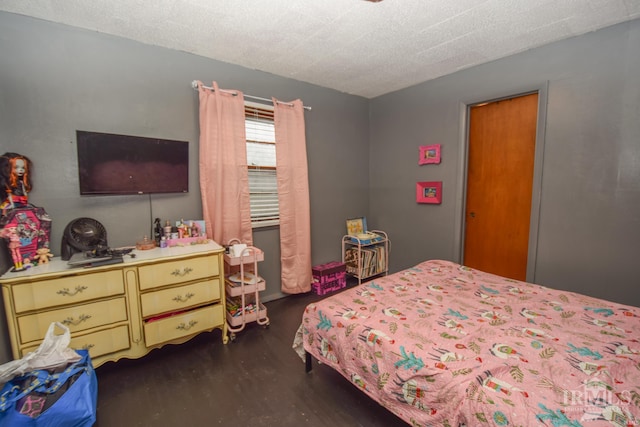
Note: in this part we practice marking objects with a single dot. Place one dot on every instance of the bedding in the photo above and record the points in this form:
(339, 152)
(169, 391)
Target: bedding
(441, 344)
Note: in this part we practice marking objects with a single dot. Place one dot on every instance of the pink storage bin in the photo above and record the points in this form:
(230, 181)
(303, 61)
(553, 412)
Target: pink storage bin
(329, 277)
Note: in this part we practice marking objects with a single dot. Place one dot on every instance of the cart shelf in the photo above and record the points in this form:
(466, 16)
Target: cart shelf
(243, 286)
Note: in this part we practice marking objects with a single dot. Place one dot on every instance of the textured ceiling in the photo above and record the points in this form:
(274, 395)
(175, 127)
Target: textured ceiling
(353, 46)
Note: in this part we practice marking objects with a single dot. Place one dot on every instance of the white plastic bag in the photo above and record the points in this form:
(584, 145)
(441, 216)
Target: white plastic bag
(54, 351)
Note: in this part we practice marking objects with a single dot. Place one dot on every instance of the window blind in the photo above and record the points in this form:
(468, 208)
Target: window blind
(261, 161)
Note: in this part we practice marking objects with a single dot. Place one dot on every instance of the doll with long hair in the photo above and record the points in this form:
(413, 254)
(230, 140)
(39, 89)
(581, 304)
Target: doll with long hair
(14, 245)
(15, 181)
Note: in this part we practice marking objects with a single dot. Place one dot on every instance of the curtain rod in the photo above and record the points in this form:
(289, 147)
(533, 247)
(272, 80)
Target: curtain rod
(194, 84)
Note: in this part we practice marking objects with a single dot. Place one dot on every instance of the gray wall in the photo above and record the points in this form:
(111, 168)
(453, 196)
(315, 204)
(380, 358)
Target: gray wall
(55, 79)
(362, 154)
(589, 216)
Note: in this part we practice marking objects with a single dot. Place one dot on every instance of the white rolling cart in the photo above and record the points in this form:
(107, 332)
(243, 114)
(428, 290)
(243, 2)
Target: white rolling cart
(243, 286)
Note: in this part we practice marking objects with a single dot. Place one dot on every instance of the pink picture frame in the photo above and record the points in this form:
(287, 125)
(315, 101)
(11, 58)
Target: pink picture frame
(429, 192)
(429, 154)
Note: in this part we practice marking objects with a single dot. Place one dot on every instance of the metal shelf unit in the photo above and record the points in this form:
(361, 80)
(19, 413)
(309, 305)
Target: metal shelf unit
(366, 258)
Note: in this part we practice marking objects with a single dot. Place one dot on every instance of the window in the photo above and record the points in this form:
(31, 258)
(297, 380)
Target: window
(261, 161)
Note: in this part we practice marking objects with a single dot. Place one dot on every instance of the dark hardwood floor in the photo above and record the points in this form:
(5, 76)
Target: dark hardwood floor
(257, 380)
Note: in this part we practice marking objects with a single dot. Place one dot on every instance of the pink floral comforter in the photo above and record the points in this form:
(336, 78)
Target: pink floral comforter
(444, 345)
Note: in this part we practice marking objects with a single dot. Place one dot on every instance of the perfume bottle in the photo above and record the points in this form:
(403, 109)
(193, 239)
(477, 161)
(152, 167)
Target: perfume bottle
(157, 231)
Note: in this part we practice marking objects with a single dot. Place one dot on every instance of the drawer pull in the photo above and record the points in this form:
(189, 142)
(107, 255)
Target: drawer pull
(70, 321)
(88, 346)
(184, 327)
(67, 292)
(186, 298)
(183, 272)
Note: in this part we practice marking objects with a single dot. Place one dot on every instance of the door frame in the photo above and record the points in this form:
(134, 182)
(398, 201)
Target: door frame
(536, 191)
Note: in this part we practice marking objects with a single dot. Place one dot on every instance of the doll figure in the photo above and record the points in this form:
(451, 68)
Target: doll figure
(15, 182)
(11, 234)
(43, 255)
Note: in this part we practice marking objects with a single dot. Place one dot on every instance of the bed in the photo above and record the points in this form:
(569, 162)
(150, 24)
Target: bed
(441, 344)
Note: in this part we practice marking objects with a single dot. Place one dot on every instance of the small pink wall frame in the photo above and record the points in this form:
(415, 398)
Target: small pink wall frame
(429, 192)
(429, 154)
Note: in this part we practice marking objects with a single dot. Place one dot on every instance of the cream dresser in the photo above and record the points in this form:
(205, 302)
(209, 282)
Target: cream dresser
(160, 296)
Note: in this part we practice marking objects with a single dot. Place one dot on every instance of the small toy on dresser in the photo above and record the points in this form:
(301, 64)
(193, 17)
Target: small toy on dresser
(42, 256)
(11, 235)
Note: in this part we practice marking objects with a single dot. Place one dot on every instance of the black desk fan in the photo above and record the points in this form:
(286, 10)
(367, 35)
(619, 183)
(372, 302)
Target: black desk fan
(85, 235)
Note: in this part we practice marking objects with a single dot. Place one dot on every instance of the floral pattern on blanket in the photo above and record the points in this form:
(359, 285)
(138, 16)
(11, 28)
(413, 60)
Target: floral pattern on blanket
(441, 344)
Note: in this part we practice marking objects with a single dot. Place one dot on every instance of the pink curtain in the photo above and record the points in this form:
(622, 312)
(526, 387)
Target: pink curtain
(224, 181)
(293, 197)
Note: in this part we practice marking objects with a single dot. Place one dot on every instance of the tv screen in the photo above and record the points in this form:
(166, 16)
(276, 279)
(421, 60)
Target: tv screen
(110, 164)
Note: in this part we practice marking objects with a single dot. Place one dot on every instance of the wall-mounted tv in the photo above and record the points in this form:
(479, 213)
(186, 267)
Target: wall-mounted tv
(110, 164)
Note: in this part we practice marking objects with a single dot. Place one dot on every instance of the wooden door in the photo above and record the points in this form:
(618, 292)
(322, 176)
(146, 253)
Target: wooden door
(502, 137)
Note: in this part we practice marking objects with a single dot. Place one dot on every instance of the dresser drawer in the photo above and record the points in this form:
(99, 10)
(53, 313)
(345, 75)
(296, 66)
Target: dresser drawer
(180, 298)
(165, 273)
(183, 325)
(103, 342)
(98, 343)
(67, 290)
(77, 318)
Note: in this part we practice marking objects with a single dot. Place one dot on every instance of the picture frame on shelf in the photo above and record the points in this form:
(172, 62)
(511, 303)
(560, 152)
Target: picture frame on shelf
(429, 192)
(429, 154)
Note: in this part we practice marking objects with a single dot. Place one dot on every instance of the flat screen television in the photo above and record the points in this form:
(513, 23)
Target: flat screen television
(110, 164)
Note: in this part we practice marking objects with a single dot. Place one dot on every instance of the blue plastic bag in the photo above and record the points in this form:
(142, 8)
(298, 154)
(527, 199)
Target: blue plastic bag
(40, 398)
